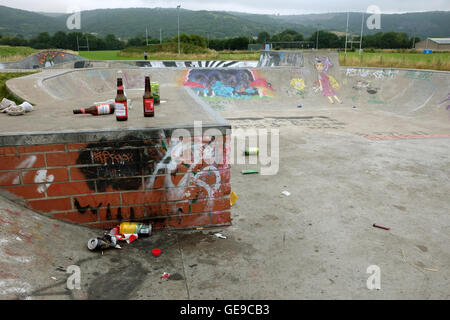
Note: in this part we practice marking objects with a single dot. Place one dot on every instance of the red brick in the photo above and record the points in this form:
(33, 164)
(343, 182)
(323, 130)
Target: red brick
(77, 146)
(58, 174)
(68, 188)
(180, 194)
(143, 197)
(77, 217)
(49, 205)
(159, 223)
(210, 176)
(41, 148)
(77, 174)
(27, 192)
(8, 178)
(104, 225)
(22, 162)
(94, 200)
(157, 210)
(62, 159)
(189, 220)
(126, 213)
(210, 205)
(158, 183)
(7, 150)
(221, 218)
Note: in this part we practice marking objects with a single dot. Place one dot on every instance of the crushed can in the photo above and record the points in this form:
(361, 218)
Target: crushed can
(98, 244)
(155, 91)
(141, 229)
(251, 151)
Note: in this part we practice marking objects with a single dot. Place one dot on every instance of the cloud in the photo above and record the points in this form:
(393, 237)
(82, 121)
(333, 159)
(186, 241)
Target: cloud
(252, 6)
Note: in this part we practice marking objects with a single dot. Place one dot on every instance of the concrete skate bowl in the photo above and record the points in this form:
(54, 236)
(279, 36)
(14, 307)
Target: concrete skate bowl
(144, 181)
(156, 64)
(314, 81)
(43, 59)
(317, 89)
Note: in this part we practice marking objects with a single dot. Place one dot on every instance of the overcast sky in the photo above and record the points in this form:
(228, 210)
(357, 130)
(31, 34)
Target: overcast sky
(252, 6)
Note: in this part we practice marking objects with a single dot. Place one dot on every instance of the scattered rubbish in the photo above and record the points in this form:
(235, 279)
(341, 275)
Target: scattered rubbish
(429, 269)
(175, 276)
(200, 228)
(286, 193)
(54, 278)
(251, 151)
(141, 229)
(18, 239)
(249, 171)
(193, 265)
(126, 231)
(10, 107)
(381, 227)
(219, 235)
(299, 106)
(156, 252)
(103, 243)
(239, 239)
(165, 275)
(6, 103)
(96, 110)
(60, 268)
(233, 198)
(354, 107)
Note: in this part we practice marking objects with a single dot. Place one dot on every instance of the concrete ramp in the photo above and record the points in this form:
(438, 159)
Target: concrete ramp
(43, 59)
(280, 59)
(32, 248)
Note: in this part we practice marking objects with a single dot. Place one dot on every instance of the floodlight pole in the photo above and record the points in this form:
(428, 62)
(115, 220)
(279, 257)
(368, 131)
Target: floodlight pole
(346, 33)
(362, 28)
(178, 10)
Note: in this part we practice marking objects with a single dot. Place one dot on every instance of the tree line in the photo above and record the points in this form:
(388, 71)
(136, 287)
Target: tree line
(285, 39)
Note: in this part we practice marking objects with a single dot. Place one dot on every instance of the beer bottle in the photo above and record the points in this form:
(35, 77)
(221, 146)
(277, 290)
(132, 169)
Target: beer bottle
(149, 101)
(97, 110)
(121, 102)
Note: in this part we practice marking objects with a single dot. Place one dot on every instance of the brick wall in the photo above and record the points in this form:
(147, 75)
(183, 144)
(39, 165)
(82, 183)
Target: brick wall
(171, 183)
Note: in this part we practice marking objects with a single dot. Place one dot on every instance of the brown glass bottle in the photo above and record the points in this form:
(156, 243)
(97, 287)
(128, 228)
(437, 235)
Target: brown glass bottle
(97, 110)
(121, 109)
(149, 101)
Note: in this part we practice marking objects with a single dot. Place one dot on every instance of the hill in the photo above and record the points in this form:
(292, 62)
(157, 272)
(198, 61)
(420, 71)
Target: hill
(127, 23)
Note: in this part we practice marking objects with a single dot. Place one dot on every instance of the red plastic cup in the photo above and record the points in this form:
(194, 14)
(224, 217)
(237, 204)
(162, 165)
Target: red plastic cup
(156, 252)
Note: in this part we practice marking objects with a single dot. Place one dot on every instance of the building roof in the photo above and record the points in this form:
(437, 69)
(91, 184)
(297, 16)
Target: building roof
(440, 40)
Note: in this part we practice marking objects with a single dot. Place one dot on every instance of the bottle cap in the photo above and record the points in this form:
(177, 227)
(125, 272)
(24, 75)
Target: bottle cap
(156, 252)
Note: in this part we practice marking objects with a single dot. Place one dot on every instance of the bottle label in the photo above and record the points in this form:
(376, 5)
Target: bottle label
(121, 109)
(149, 106)
(103, 109)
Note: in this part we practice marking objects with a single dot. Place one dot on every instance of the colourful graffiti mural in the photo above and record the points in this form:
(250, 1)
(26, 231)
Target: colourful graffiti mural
(326, 83)
(298, 86)
(46, 58)
(235, 83)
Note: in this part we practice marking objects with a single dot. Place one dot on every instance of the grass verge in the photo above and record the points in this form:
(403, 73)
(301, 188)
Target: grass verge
(4, 92)
(435, 61)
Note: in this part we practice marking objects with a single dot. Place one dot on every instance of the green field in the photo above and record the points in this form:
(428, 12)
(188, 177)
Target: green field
(132, 55)
(384, 59)
(105, 55)
(435, 61)
(8, 53)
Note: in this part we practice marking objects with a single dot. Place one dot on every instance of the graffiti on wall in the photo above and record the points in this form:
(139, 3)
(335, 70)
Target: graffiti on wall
(375, 74)
(447, 100)
(116, 164)
(326, 83)
(182, 164)
(233, 83)
(298, 85)
(46, 58)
